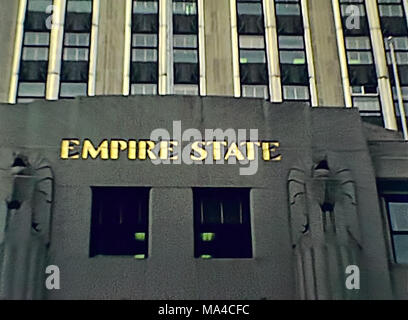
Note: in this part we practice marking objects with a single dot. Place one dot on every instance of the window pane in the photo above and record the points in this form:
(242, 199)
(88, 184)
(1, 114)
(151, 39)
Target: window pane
(185, 41)
(358, 43)
(76, 54)
(28, 89)
(144, 55)
(144, 40)
(35, 54)
(251, 42)
(73, 89)
(401, 248)
(252, 56)
(359, 57)
(367, 103)
(250, 8)
(77, 39)
(255, 91)
(185, 89)
(291, 42)
(79, 6)
(287, 9)
(144, 89)
(295, 93)
(145, 7)
(188, 56)
(399, 215)
(292, 57)
(36, 38)
(40, 6)
(211, 211)
(184, 8)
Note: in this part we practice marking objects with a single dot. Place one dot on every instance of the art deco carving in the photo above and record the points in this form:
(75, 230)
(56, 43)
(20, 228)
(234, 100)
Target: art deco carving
(325, 229)
(26, 195)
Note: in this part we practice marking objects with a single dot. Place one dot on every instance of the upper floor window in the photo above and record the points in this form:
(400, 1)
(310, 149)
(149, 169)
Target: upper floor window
(76, 47)
(292, 53)
(35, 51)
(252, 49)
(185, 48)
(145, 44)
(397, 206)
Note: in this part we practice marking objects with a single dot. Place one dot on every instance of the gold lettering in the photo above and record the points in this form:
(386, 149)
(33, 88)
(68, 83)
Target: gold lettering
(217, 148)
(233, 151)
(171, 150)
(68, 145)
(277, 157)
(116, 146)
(200, 150)
(166, 150)
(250, 149)
(268, 148)
(145, 150)
(88, 149)
(132, 150)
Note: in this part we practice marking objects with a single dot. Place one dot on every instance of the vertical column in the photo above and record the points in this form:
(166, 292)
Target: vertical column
(342, 54)
(163, 45)
(218, 48)
(387, 102)
(93, 48)
(18, 44)
(325, 54)
(201, 48)
(235, 52)
(127, 48)
(309, 54)
(272, 51)
(405, 4)
(56, 39)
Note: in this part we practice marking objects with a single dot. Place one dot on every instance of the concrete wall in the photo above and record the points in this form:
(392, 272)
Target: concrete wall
(171, 270)
(326, 58)
(218, 46)
(111, 42)
(8, 23)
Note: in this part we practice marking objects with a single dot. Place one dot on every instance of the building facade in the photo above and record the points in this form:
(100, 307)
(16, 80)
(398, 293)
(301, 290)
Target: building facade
(84, 185)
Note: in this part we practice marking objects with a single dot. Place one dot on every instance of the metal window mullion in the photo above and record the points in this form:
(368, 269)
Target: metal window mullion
(309, 53)
(55, 51)
(235, 49)
(93, 47)
(18, 45)
(272, 51)
(163, 46)
(342, 53)
(201, 48)
(127, 56)
(384, 85)
(405, 8)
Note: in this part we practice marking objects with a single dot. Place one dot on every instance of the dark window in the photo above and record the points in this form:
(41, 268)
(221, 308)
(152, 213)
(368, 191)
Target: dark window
(76, 46)
(397, 207)
(394, 24)
(292, 53)
(252, 52)
(222, 227)
(145, 42)
(186, 72)
(35, 51)
(360, 60)
(119, 224)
